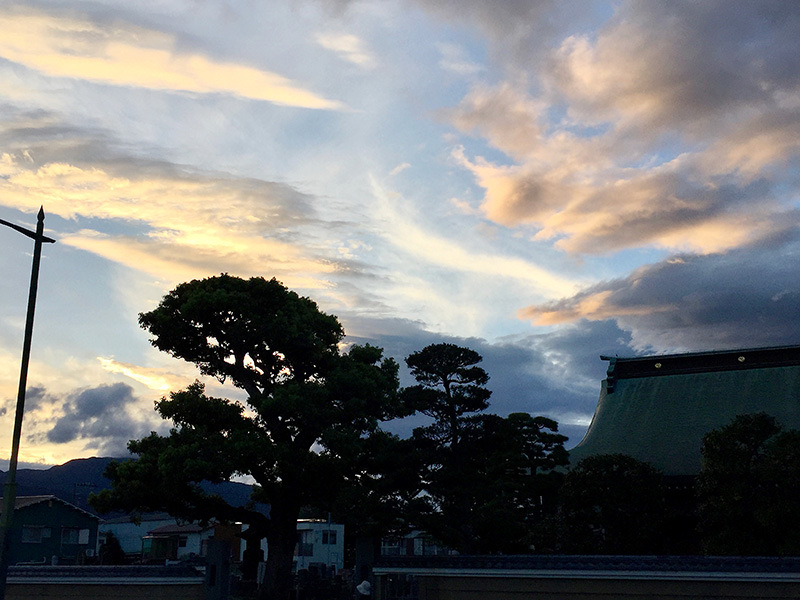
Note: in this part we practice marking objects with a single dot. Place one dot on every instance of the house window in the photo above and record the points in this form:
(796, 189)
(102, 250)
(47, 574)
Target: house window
(305, 546)
(329, 536)
(74, 535)
(69, 535)
(32, 534)
(393, 547)
(182, 540)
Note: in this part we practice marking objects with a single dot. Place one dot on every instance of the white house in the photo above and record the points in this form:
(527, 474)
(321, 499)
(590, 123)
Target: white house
(175, 542)
(130, 534)
(319, 543)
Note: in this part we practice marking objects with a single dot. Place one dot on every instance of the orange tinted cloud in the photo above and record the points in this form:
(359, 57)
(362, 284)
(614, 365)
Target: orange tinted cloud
(185, 233)
(589, 205)
(126, 55)
(659, 128)
(155, 379)
(592, 307)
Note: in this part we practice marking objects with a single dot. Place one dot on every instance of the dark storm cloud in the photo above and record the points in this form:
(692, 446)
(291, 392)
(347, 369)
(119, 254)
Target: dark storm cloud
(556, 374)
(94, 413)
(36, 399)
(745, 298)
(103, 417)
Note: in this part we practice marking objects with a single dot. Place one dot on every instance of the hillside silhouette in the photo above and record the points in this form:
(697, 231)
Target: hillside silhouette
(76, 479)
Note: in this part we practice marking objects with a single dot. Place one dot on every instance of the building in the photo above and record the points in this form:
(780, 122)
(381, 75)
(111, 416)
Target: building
(414, 543)
(319, 543)
(157, 536)
(176, 541)
(161, 536)
(658, 408)
(47, 530)
(130, 532)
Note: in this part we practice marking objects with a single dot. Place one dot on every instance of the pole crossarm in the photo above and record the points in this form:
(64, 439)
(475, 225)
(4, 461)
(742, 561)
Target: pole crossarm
(28, 232)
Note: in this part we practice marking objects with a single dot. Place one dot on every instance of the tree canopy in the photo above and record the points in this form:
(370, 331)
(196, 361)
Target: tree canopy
(449, 386)
(310, 417)
(483, 476)
(611, 504)
(749, 488)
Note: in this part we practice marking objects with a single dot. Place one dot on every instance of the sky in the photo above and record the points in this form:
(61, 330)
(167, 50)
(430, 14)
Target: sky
(544, 182)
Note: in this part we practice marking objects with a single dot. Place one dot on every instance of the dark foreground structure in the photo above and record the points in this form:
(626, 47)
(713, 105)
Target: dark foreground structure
(175, 582)
(585, 578)
(658, 408)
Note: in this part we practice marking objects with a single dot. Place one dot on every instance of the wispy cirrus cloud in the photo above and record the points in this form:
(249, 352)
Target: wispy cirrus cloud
(349, 47)
(155, 379)
(122, 54)
(455, 60)
(174, 227)
(439, 250)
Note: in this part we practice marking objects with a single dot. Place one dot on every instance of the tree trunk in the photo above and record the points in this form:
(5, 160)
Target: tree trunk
(280, 554)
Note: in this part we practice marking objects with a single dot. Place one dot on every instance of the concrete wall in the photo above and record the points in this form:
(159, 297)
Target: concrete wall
(563, 577)
(481, 588)
(105, 582)
(41, 591)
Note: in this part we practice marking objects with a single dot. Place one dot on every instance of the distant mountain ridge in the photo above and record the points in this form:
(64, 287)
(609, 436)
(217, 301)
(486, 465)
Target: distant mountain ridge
(76, 479)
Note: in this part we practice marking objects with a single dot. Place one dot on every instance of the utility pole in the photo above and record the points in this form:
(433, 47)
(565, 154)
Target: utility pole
(10, 490)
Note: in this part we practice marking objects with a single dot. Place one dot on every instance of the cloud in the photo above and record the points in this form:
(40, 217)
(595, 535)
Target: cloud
(506, 116)
(455, 60)
(745, 298)
(176, 224)
(349, 47)
(441, 251)
(675, 206)
(100, 417)
(515, 27)
(399, 169)
(692, 67)
(674, 125)
(155, 379)
(464, 207)
(122, 54)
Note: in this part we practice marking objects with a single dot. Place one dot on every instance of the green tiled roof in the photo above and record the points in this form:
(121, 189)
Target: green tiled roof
(658, 408)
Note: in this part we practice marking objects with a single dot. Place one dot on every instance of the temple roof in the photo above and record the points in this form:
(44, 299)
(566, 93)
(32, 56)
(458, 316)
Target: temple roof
(658, 408)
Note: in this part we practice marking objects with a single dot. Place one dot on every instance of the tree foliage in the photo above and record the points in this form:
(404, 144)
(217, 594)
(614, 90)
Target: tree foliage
(255, 332)
(611, 504)
(449, 386)
(749, 488)
(304, 433)
(484, 476)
